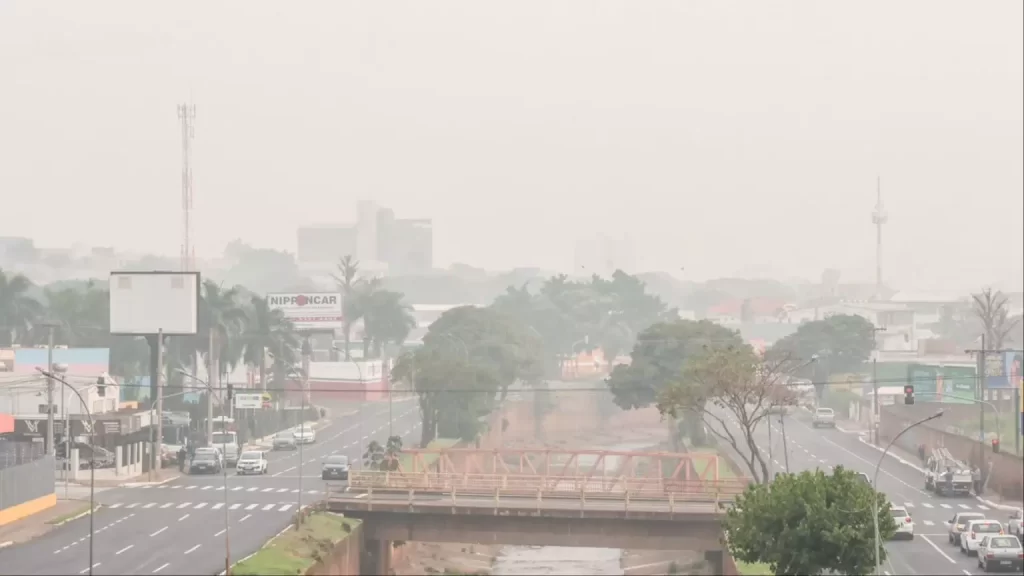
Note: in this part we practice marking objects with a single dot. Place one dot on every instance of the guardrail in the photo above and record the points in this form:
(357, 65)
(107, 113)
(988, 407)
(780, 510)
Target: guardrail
(544, 487)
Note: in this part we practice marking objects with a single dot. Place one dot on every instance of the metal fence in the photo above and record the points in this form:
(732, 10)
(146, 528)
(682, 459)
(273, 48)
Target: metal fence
(26, 473)
(16, 453)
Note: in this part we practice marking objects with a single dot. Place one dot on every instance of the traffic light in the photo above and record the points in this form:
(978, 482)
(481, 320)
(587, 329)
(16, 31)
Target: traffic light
(995, 445)
(101, 386)
(908, 394)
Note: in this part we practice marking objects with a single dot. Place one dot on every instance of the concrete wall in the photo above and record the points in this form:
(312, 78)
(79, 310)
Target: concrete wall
(345, 557)
(1007, 477)
(26, 488)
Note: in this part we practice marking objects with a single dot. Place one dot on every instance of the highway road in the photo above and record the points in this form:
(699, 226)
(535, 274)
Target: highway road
(824, 448)
(179, 527)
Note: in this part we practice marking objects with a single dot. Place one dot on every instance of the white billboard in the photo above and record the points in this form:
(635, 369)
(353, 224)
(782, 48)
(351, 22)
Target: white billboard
(249, 401)
(143, 303)
(309, 310)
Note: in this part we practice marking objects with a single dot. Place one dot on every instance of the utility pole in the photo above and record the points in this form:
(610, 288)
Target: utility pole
(49, 396)
(158, 443)
(874, 386)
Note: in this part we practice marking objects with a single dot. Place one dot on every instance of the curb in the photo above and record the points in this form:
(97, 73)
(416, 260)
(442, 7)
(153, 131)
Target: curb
(137, 484)
(77, 516)
(6, 544)
(989, 503)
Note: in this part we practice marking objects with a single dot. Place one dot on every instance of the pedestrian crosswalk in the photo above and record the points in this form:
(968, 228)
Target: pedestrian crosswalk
(247, 507)
(948, 506)
(220, 488)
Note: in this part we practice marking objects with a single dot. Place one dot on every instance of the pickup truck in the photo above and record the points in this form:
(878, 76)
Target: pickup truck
(824, 417)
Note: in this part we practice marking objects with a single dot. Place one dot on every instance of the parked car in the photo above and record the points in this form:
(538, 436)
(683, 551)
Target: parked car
(304, 434)
(824, 417)
(975, 532)
(864, 478)
(205, 460)
(284, 441)
(1000, 553)
(251, 462)
(959, 523)
(1015, 525)
(335, 467)
(904, 522)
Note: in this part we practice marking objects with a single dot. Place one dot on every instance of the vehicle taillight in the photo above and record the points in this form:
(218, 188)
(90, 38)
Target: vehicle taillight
(973, 535)
(909, 520)
(990, 555)
(1020, 556)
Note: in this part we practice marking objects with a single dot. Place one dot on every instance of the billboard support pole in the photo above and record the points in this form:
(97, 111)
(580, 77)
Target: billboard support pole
(159, 399)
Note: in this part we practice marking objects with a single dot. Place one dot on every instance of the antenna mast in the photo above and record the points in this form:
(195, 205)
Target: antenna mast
(187, 115)
(878, 217)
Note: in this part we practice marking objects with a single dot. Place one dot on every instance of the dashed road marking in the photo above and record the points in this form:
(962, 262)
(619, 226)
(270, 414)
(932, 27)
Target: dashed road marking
(125, 549)
(184, 505)
(251, 506)
(218, 505)
(162, 567)
(158, 532)
(193, 549)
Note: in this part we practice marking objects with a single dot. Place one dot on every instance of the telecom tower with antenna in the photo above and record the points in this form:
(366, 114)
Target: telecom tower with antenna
(878, 217)
(187, 115)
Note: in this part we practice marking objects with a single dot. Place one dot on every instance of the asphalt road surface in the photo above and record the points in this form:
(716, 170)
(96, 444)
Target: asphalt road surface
(179, 527)
(824, 448)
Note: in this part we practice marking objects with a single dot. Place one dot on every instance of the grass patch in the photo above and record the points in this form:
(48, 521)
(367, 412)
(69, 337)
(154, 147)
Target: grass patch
(752, 568)
(296, 551)
(65, 517)
(406, 462)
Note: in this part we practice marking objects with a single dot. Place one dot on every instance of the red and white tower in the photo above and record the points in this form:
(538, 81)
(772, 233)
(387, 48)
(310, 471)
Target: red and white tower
(879, 217)
(187, 116)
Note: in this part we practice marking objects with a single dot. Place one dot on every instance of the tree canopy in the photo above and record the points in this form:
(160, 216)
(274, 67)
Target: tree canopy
(809, 523)
(841, 343)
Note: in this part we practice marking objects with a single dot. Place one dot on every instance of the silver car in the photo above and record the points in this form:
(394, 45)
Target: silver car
(284, 441)
(1000, 553)
(1015, 525)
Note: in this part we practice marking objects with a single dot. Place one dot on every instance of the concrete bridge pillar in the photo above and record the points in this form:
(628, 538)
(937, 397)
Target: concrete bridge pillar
(376, 558)
(715, 560)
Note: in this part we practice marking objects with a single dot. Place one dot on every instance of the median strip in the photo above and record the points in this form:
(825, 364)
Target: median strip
(296, 551)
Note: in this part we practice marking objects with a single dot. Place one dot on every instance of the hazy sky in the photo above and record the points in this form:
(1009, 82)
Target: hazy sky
(725, 137)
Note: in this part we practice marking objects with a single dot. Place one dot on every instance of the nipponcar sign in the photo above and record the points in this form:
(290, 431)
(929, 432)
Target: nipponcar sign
(310, 311)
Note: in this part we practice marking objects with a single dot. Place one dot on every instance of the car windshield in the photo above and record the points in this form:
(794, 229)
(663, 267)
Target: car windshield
(1005, 542)
(825, 411)
(965, 518)
(337, 459)
(223, 438)
(986, 528)
(205, 456)
(304, 429)
(251, 455)
(284, 435)
(899, 513)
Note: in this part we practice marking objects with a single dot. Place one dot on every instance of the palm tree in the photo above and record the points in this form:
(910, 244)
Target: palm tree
(386, 318)
(267, 329)
(221, 321)
(348, 269)
(18, 310)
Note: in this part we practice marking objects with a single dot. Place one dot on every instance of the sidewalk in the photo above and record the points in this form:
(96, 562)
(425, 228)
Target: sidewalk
(42, 522)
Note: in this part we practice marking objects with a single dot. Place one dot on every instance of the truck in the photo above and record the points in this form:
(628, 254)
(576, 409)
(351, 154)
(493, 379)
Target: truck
(945, 475)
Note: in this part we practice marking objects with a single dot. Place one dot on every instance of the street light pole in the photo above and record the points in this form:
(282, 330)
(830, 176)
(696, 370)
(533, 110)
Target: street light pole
(92, 459)
(874, 484)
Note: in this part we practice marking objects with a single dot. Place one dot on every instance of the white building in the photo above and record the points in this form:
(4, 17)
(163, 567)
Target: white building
(26, 395)
(900, 334)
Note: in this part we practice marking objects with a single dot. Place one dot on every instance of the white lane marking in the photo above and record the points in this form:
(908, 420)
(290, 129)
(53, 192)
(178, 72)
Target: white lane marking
(219, 533)
(187, 504)
(158, 532)
(983, 507)
(167, 505)
(190, 487)
(125, 549)
(207, 487)
(237, 488)
(946, 506)
(252, 506)
(132, 505)
(929, 523)
(150, 505)
(284, 508)
(937, 549)
(87, 569)
(244, 518)
(907, 504)
(268, 507)
(253, 489)
(200, 506)
(183, 517)
(218, 505)
(161, 568)
(364, 495)
(271, 490)
(234, 507)
(175, 487)
(964, 506)
(282, 472)
(119, 504)
(146, 487)
(194, 548)
(282, 490)
(966, 572)
(927, 505)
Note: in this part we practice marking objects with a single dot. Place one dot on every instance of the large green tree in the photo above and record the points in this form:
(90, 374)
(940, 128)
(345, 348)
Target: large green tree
(387, 319)
(838, 344)
(347, 280)
(18, 310)
(809, 523)
(267, 330)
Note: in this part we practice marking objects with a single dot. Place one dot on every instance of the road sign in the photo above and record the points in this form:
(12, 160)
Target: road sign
(248, 401)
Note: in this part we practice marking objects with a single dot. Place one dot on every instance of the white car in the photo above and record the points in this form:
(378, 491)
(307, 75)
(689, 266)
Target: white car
(304, 435)
(824, 417)
(975, 532)
(252, 463)
(904, 522)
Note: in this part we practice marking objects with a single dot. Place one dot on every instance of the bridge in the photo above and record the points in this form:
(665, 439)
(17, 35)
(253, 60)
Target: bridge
(541, 497)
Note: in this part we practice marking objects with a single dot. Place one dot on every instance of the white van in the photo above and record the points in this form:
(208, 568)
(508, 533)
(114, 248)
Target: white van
(227, 442)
